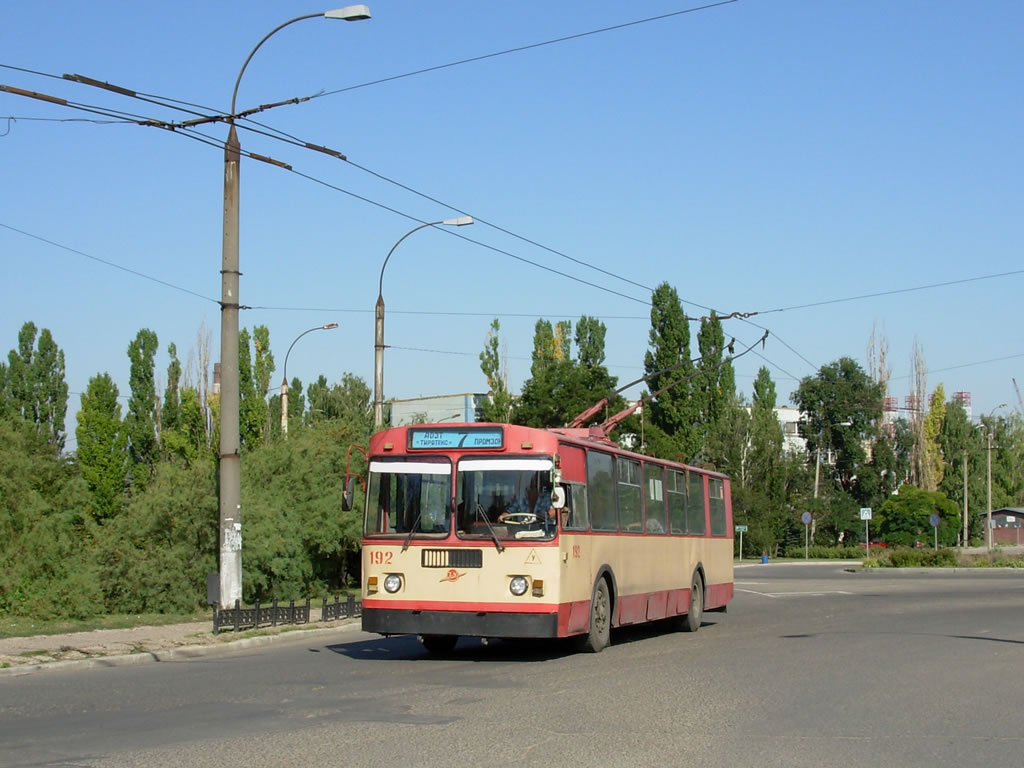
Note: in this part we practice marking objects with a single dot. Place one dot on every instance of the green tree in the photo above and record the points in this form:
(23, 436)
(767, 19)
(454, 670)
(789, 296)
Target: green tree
(154, 557)
(498, 406)
(561, 387)
(349, 402)
(675, 412)
(170, 415)
(252, 408)
(714, 391)
(32, 385)
(765, 455)
(905, 518)
(298, 541)
(141, 419)
(46, 568)
(102, 446)
(843, 406)
(933, 458)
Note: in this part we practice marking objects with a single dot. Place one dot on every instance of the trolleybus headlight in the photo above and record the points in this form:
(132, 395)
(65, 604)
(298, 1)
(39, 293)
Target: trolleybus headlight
(518, 586)
(392, 583)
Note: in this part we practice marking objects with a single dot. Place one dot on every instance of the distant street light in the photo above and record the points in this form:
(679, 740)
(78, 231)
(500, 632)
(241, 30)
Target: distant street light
(988, 524)
(284, 381)
(230, 469)
(378, 345)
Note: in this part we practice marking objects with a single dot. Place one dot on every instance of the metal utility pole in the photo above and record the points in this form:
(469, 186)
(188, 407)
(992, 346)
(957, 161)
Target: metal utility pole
(378, 325)
(230, 469)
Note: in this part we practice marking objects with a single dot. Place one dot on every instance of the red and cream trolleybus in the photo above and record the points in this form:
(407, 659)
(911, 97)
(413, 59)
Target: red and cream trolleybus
(497, 530)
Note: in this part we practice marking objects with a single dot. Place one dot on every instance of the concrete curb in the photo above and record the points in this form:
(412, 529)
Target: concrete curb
(180, 653)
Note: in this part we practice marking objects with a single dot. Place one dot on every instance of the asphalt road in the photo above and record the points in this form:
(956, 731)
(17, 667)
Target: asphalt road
(812, 666)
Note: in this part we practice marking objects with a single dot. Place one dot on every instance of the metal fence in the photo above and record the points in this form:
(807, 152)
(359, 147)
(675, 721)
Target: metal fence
(241, 618)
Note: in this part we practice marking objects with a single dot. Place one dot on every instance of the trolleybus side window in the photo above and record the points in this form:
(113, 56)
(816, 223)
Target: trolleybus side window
(630, 512)
(601, 492)
(574, 514)
(716, 499)
(677, 501)
(654, 504)
(695, 504)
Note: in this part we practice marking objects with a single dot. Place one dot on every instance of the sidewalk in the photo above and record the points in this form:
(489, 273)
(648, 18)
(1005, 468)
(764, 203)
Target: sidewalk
(111, 647)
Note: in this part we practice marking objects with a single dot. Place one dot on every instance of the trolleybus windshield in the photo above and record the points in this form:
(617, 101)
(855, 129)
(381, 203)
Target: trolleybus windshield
(407, 497)
(504, 498)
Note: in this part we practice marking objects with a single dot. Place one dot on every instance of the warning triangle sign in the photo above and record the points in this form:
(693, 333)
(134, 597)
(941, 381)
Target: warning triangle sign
(532, 558)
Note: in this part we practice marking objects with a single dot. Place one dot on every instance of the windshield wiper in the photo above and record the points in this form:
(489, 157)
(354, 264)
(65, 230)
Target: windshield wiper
(481, 513)
(412, 530)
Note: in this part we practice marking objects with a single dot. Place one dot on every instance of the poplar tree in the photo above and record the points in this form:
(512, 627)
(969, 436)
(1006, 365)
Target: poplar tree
(140, 422)
(102, 442)
(714, 388)
(498, 407)
(254, 381)
(170, 416)
(933, 465)
(561, 387)
(32, 385)
(675, 411)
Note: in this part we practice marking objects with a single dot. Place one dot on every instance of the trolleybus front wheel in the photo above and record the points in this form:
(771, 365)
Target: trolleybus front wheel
(599, 636)
(439, 645)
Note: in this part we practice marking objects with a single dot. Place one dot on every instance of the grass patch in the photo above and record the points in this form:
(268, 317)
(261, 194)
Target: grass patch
(13, 626)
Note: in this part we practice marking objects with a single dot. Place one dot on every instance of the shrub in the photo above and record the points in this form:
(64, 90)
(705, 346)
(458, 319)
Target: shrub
(922, 558)
(819, 552)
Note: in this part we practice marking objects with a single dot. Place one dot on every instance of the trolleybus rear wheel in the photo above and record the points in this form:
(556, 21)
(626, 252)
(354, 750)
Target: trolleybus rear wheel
(691, 622)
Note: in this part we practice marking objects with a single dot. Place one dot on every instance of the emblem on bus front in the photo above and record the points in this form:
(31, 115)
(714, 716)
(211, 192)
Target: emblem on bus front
(452, 575)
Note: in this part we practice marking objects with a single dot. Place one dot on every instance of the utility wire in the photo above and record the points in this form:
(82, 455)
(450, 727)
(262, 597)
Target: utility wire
(298, 142)
(521, 48)
(108, 263)
(964, 365)
(892, 292)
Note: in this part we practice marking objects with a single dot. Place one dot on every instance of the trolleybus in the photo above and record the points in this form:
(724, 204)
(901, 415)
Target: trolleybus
(505, 531)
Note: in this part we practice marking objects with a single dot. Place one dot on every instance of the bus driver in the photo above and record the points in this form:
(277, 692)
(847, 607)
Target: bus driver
(531, 508)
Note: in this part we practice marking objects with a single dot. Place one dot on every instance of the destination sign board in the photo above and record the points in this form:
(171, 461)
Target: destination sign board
(442, 438)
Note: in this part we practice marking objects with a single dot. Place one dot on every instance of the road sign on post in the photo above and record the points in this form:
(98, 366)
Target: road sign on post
(865, 515)
(805, 518)
(741, 529)
(934, 522)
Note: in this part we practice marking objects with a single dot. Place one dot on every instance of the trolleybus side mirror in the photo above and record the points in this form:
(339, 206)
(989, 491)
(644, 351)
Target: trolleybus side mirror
(558, 497)
(347, 493)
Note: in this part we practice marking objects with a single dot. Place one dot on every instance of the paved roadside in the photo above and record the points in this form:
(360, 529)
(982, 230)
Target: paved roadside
(140, 645)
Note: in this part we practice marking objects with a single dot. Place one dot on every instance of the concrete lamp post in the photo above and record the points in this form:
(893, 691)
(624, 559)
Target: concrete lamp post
(230, 471)
(284, 381)
(378, 342)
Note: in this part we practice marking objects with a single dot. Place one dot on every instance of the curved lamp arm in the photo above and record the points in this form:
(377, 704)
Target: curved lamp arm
(325, 327)
(461, 221)
(348, 13)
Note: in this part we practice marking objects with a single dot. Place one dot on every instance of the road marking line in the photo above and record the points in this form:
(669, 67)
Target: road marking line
(777, 595)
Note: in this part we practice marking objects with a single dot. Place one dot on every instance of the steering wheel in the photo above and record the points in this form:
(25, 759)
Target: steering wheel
(519, 518)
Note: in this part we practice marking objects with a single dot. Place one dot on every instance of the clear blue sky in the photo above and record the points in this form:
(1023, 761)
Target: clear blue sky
(757, 156)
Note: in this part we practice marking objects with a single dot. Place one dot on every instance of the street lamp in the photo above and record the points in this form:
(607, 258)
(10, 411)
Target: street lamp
(988, 523)
(230, 469)
(284, 381)
(378, 344)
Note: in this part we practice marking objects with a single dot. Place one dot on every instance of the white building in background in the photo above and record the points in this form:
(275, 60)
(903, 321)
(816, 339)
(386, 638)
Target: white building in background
(463, 407)
(789, 418)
